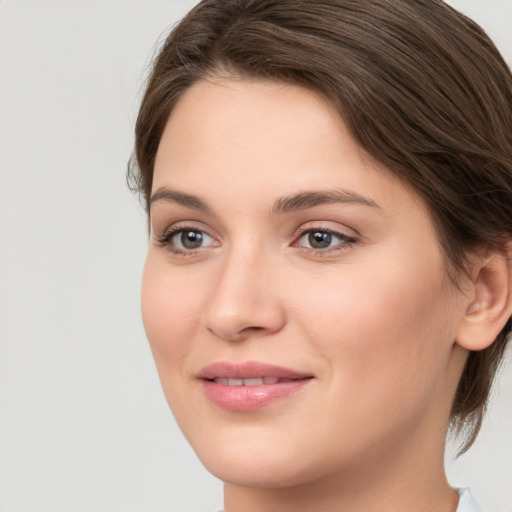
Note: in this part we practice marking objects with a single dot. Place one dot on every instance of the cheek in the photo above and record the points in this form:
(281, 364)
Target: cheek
(386, 329)
(169, 312)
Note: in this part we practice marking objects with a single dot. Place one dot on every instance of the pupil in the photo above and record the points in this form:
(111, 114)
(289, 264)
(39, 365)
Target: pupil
(191, 239)
(320, 240)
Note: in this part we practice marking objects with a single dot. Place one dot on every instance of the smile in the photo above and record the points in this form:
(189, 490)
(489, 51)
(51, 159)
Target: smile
(258, 381)
(250, 386)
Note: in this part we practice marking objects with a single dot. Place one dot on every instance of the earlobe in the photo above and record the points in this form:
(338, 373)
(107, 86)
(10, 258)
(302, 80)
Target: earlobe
(490, 299)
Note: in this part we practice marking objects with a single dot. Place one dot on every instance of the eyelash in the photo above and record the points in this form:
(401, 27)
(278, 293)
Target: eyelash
(346, 241)
(165, 240)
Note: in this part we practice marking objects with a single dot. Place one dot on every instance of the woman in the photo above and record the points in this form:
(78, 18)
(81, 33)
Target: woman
(328, 284)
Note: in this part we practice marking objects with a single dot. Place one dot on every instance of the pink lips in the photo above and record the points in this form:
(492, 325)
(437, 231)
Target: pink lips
(249, 386)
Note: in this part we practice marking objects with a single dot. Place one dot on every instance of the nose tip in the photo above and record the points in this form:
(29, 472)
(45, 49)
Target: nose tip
(243, 305)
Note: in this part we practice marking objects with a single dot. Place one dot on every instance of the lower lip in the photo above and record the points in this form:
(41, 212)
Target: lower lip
(250, 398)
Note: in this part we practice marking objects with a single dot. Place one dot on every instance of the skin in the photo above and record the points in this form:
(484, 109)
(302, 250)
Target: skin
(374, 319)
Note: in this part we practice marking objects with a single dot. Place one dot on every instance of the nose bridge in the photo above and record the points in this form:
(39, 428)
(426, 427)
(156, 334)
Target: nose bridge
(243, 301)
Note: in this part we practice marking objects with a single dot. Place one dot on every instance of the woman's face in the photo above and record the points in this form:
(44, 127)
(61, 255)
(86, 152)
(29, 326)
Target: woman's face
(294, 295)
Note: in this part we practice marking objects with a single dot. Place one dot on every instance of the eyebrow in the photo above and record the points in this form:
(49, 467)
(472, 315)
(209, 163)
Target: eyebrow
(285, 204)
(187, 200)
(305, 200)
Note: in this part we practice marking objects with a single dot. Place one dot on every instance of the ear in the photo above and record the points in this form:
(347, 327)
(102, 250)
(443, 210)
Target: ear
(489, 299)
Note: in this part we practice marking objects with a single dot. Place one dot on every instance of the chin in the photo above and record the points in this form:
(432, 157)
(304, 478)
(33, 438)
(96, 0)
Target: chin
(249, 456)
(265, 471)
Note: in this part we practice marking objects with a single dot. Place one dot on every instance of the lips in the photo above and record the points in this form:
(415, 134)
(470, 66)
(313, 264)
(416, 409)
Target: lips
(250, 386)
(256, 381)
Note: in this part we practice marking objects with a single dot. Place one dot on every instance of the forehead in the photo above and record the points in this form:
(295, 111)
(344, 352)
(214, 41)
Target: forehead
(267, 139)
(244, 114)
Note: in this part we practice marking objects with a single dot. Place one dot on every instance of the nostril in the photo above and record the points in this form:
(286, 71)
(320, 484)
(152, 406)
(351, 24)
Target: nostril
(248, 332)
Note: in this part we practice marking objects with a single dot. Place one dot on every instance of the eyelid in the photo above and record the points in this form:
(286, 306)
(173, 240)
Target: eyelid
(327, 226)
(158, 231)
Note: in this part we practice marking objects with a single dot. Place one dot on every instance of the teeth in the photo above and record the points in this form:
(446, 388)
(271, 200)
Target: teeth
(253, 382)
(250, 382)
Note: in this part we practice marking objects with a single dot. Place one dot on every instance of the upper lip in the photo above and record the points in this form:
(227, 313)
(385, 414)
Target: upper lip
(248, 370)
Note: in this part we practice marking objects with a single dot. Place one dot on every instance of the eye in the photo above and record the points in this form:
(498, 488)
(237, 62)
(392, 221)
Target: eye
(183, 240)
(324, 239)
(191, 239)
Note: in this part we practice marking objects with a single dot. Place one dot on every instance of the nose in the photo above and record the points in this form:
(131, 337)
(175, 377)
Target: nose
(245, 300)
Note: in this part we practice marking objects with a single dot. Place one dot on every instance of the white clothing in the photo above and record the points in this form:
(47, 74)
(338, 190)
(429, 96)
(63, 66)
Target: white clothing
(466, 502)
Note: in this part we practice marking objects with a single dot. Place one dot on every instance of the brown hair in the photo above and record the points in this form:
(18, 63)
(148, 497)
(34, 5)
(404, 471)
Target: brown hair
(421, 88)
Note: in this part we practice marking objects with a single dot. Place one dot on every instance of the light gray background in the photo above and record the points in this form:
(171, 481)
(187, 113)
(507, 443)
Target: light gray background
(84, 425)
